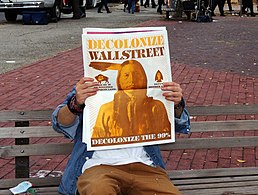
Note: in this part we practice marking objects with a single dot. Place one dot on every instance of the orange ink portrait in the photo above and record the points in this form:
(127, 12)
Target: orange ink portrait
(131, 112)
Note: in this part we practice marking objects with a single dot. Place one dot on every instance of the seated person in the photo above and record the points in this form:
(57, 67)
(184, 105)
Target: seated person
(133, 170)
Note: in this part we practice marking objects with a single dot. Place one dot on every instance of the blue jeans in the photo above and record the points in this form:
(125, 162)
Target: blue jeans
(131, 5)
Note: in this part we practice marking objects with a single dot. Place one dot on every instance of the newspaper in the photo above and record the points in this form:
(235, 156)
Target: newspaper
(130, 65)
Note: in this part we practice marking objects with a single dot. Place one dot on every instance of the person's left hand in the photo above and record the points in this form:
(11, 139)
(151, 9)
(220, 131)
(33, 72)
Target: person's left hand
(172, 92)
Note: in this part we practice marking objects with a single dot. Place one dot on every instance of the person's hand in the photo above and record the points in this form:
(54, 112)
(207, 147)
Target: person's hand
(85, 88)
(172, 92)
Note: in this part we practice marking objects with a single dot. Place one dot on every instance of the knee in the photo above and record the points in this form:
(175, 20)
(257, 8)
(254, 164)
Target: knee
(97, 189)
(97, 186)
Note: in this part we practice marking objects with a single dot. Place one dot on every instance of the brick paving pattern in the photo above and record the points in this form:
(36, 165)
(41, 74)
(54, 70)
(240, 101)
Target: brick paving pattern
(215, 63)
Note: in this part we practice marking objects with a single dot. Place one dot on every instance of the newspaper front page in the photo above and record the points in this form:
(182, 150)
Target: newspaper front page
(130, 65)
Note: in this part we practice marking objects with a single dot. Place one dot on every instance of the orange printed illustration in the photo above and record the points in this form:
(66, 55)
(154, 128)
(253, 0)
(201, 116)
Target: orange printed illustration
(101, 78)
(158, 76)
(131, 112)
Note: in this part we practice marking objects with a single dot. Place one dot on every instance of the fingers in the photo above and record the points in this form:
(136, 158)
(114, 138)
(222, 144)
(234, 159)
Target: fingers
(85, 88)
(85, 79)
(172, 92)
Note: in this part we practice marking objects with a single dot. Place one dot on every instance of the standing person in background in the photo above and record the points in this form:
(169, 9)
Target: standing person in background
(229, 5)
(131, 6)
(82, 9)
(125, 5)
(147, 4)
(248, 4)
(160, 3)
(79, 10)
(103, 2)
(220, 4)
(76, 9)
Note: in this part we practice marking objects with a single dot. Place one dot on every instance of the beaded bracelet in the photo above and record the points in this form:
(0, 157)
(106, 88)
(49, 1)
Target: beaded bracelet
(74, 107)
(180, 105)
(178, 109)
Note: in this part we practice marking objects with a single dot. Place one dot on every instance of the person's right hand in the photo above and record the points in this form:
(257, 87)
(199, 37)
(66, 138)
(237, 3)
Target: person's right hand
(85, 88)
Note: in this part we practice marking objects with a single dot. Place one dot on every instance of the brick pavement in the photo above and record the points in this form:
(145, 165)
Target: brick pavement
(44, 84)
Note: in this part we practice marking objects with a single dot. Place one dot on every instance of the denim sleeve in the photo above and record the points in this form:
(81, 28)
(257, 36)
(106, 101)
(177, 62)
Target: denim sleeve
(182, 124)
(68, 131)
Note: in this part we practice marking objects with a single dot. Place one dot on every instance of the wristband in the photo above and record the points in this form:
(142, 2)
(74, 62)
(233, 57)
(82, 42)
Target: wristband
(181, 104)
(74, 107)
(178, 109)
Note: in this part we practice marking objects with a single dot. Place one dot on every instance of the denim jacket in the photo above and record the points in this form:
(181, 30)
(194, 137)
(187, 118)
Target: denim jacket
(80, 154)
